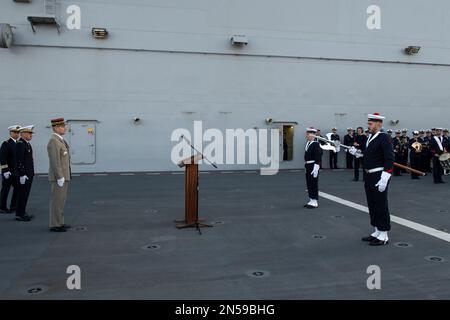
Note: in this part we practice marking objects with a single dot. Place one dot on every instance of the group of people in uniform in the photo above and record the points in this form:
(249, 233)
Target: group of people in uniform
(17, 168)
(420, 152)
(376, 151)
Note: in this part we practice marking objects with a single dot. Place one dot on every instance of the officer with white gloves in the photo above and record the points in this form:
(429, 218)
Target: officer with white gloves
(8, 169)
(59, 175)
(313, 158)
(378, 168)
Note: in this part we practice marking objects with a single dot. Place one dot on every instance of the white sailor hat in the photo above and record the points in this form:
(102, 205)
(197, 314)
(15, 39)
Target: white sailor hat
(415, 132)
(375, 117)
(349, 128)
(311, 129)
(389, 130)
(27, 129)
(439, 128)
(15, 128)
(398, 131)
(428, 131)
(405, 130)
(421, 131)
(445, 130)
(334, 128)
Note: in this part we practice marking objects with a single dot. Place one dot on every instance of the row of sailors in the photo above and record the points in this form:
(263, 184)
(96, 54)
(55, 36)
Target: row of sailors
(419, 158)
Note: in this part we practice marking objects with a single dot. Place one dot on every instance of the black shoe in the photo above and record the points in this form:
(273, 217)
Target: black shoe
(5, 210)
(13, 209)
(378, 242)
(58, 229)
(66, 226)
(368, 239)
(308, 206)
(23, 218)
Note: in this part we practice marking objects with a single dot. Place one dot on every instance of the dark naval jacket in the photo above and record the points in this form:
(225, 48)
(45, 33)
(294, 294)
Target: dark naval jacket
(313, 152)
(379, 152)
(8, 156)
(24, 158)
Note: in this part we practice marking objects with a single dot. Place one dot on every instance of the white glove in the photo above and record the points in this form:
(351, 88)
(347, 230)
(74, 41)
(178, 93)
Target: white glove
(345, 150)
(355, 152)
(61, 182)
(7, 175)
(382, 184)
(315, 171)
(23, 179)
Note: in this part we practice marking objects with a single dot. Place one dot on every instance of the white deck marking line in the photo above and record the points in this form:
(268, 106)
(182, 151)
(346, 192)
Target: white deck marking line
(100, 174)
(127, 174)
(204, 172)
(177, 172)
(153, 173)
(404, 222)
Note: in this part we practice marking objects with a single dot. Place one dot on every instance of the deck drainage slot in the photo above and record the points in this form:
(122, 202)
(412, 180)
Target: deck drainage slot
(35, 290)
(258, 274)
(403, 244)
(434, 259)
(152, 247)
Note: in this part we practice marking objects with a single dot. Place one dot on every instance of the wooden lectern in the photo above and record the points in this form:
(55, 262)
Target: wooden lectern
(191, 219)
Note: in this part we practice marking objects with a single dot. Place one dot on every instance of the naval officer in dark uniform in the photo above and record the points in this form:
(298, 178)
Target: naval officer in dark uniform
(8, 168)
(415, 156)
(360, 144)
(349, 139)
(334, 154)
(439, 146)
(313, 159)
(378, 167)
(25, 171)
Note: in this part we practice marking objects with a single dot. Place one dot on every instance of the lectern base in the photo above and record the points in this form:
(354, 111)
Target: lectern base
(181, 224)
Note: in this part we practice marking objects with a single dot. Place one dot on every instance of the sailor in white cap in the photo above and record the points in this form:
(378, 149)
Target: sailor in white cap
(378, 167)
(415, 153)
(334, 154)
(405, 148)
(397, 142)
(313, 158)
(426, 160)
(438, 145)
(8, 169)
(446, 135)
(25, 171)
(349, 139)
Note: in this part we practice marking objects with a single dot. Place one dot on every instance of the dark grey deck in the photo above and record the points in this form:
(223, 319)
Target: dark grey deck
(264, 228)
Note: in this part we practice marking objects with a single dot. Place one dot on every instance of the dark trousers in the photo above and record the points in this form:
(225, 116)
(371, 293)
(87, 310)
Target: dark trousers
(427, 161)
(22, 196)
(415, 161)
(312, 183)
(398, 159)
(438, 171)
(404, 160)
(349, 160)
(377, 202)
(6, 186)
(358, 163)
(333, 160)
